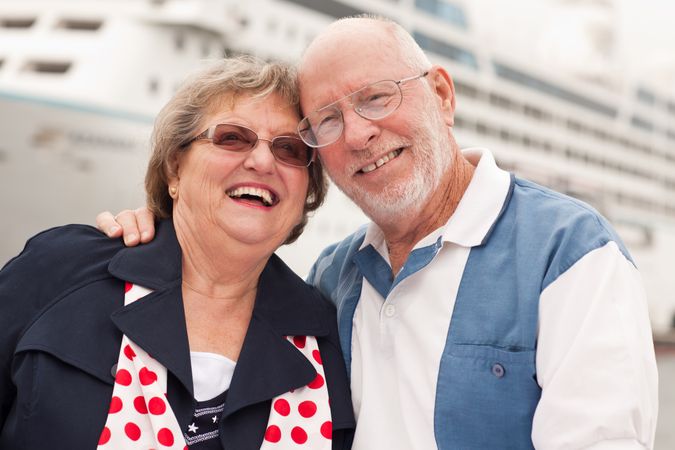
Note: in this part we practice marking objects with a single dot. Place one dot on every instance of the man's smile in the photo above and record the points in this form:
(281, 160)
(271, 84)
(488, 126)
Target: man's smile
(381, 161)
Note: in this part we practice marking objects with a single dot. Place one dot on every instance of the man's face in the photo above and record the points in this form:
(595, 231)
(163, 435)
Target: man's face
(387, 167)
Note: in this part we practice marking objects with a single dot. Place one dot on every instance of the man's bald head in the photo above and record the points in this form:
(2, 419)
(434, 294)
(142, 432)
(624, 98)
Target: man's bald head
(377, 34)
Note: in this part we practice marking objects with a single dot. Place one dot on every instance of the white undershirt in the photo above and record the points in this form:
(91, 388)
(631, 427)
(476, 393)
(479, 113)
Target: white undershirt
(211, 374)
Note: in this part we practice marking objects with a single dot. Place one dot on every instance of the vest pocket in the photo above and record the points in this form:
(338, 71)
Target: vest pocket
(486, 397)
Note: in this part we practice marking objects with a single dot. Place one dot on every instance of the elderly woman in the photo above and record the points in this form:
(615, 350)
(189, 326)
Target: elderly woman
(202, 338)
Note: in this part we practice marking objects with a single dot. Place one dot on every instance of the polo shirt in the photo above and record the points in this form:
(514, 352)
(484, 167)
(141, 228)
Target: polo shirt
(594, 355)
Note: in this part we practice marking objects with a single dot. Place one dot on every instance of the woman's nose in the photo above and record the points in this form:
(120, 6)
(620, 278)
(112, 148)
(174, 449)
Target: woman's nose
(260, 157)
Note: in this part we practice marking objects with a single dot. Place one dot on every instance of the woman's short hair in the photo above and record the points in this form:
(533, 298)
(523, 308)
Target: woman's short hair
(178, 121)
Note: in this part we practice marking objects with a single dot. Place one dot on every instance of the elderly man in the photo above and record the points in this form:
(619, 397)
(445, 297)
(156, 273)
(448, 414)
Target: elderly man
(477, 309)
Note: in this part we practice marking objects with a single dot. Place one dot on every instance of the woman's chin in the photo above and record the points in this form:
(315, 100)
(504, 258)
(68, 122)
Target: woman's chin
(256, 235)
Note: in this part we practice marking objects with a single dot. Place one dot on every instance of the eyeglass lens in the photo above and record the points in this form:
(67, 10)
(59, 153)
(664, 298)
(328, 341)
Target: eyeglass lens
(287, 149)
(373, 102)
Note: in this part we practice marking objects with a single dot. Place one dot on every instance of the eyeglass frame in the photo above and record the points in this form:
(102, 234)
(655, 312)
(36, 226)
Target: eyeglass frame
(209, 132)
(398, 83)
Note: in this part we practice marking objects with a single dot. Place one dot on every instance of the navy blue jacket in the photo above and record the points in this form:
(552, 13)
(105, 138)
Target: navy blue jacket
(62, 317)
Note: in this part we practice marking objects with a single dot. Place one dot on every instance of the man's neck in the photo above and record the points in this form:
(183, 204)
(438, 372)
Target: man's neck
(402, 235)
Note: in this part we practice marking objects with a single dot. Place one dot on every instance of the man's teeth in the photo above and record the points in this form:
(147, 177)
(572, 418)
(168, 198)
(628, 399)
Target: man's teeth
(382, 161)
(263, 194)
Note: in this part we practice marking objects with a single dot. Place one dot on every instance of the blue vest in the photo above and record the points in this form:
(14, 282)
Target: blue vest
(487, 387)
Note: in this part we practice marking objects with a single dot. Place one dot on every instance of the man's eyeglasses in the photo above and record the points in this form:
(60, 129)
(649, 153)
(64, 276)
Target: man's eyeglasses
(372, 102)
(288, 150)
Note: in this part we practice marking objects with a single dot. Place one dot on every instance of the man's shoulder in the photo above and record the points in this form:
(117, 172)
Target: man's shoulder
(556, 227)
(548, 210)
(335, 258)
(340, 250)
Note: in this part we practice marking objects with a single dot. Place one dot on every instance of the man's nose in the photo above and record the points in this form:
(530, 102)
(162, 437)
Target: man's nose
(358, 132)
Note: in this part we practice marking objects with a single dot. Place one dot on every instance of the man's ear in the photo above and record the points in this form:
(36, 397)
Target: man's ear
(444, 88)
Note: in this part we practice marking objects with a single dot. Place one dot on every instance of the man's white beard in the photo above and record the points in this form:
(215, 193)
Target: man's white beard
(404, 198)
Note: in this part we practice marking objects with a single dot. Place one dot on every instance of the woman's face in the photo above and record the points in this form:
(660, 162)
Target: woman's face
(230, 192)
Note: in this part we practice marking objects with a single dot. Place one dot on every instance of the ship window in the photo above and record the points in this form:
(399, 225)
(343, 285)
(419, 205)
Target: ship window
(444, 49)
(50, 67)
(80, 24)
(206, 48)
(179, 41)
(466, 90)
(671, 107)
(153, 85)
(500, 101)
(331, 8)
(573, 125)
(646, 96)
(17, 22)
(671, 134)
(443, 10)
(517, 76)
(536, 113)
(644, 124)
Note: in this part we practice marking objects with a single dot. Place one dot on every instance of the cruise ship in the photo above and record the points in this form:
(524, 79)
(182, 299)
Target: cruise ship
(81, 81)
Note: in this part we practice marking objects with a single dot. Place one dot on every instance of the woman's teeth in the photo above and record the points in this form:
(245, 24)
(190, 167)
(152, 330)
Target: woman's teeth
(382, 161)
(265, 196)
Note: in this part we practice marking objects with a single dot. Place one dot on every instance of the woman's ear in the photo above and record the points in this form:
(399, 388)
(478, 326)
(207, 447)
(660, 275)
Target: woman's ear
(173, 172)
(444, 88)
(173, 164)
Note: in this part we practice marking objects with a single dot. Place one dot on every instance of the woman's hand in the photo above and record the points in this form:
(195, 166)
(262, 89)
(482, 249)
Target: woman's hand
(129, 224)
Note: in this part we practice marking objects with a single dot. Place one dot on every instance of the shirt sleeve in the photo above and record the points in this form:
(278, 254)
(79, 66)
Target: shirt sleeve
(595, 358)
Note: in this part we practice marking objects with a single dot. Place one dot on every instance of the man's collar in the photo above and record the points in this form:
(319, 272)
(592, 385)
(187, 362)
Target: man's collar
(482, 202)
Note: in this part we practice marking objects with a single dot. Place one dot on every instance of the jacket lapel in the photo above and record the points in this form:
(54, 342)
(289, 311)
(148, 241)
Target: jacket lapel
(269, 365)
(156, 322)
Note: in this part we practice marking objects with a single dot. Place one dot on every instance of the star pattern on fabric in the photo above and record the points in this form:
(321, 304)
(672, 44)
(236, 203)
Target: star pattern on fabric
(205, 421)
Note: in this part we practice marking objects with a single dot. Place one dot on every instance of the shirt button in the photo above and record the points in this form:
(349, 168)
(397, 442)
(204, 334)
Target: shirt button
(389, 310)
(498, 370)
(113, 370)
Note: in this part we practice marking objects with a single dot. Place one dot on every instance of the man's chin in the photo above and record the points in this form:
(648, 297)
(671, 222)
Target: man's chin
(385, 209)
(392, 204)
